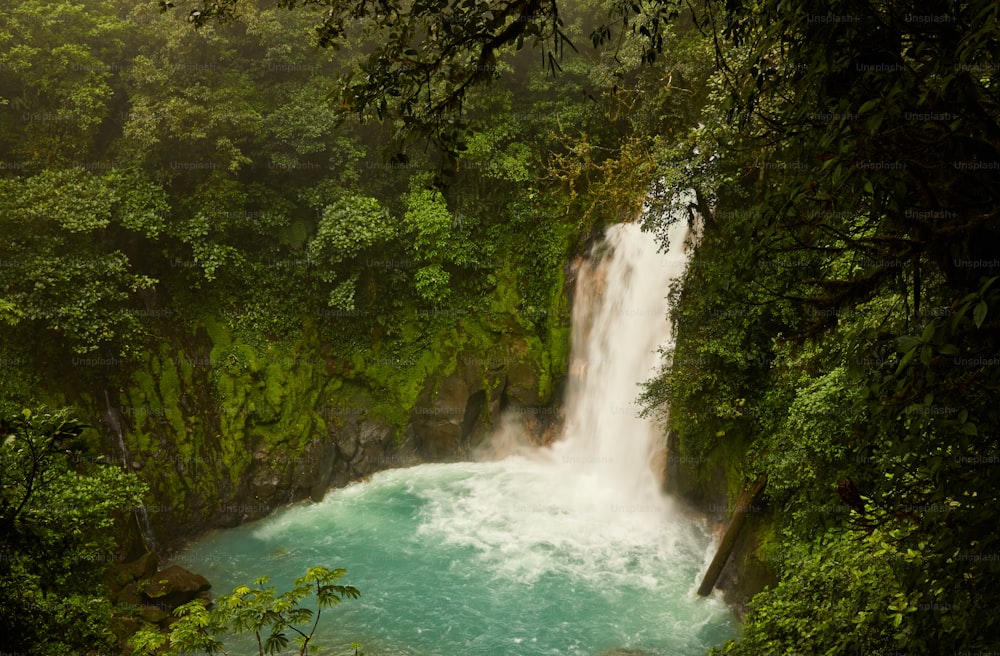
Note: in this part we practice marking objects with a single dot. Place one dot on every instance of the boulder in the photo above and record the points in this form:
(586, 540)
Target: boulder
(129, 595)
(174, 587)
(154, 614)
(124, 628)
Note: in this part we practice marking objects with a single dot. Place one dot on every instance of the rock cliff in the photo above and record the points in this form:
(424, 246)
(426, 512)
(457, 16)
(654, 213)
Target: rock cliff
(225, 428)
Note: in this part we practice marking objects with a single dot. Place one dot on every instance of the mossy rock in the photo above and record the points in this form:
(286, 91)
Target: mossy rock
(124, 628)
(524, 374)
(129, 595)
(174, 587)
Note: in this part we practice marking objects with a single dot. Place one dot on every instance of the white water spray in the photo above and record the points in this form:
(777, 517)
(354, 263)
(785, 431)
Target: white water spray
(593, 497)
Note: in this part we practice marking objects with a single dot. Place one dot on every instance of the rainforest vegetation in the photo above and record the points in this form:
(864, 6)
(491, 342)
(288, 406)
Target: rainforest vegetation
(306, 208)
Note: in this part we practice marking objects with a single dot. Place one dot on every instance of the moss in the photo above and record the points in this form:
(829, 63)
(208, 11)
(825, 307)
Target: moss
(143, 394)
(732, 459)
(217, 331)
(506, 301)
(558, 331)
(539, 355)
(187, 371)
(556, 361)
(170, 391)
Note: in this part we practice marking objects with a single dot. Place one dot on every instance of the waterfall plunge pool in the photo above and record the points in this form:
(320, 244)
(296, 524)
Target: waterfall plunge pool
(477, 559)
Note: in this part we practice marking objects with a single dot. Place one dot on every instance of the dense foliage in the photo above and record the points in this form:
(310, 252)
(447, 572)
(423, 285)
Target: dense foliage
(157, 206)
(179, 175)
(205, 247)
(59, 502)
(835, 323)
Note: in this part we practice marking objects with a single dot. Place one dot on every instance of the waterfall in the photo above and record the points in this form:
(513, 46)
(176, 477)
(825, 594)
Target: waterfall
(619, 323)
(142, 516)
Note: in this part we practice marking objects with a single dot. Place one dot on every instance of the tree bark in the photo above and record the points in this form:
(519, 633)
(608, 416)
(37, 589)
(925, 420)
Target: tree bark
(747, 498)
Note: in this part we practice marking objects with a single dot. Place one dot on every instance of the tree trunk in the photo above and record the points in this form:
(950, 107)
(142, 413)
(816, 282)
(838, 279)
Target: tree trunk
(747, 498)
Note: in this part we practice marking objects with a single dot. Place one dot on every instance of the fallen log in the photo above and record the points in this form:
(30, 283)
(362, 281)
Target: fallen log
(747, 498)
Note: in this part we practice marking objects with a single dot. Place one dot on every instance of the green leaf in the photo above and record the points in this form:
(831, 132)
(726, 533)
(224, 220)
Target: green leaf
(275, 643)
(928, 332)
(925, 355)
(905, 361)
(979, 313)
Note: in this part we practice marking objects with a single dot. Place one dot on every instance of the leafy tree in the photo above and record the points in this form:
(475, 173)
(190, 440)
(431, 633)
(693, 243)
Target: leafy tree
(272, 619)
(58, 504)
(436, 243)
(833, 575)
(65, 269)
(264, 207)
(350, 227)
(56, 71)
(459, 46)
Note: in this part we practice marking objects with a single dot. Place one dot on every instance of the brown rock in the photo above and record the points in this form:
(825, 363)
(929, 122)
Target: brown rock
(454, 413)
(174, 586)
(120, 576)
(124, 628)
(129, 595)
(523, 377)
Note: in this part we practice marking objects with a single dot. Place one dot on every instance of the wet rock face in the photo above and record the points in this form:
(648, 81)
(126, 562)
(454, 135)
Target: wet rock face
(522, 388)
(344, 452)
(227, 431)
(365, 447)
(454, 413)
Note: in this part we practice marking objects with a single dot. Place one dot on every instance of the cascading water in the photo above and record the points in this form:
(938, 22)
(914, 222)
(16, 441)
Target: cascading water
(619, 321)
(571, 550)
(114, 422)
